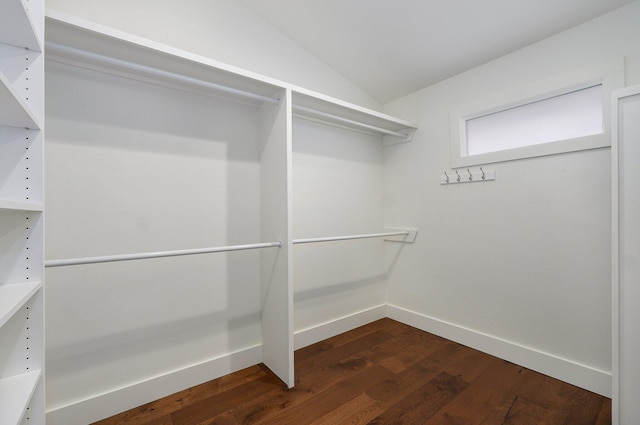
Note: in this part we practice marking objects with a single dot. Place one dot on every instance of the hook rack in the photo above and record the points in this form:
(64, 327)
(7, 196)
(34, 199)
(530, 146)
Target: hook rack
(471, 176)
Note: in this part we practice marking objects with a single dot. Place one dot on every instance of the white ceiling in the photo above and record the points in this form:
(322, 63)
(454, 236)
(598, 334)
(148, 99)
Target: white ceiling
(390, 48)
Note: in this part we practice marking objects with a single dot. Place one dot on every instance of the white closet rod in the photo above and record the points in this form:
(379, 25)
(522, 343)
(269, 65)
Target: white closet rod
(60, 49)
(146, 255)
(347, 121)
(94, 57)
(351, 237)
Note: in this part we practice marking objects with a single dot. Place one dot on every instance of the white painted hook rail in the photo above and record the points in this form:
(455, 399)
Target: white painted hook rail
(408, 234)
(146, 255)
(467, 176)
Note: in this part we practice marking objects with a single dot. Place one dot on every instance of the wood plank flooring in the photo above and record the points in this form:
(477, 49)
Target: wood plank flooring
(382, 373)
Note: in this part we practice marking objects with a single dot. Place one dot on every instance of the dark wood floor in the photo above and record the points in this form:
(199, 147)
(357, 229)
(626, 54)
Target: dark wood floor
(382, 373)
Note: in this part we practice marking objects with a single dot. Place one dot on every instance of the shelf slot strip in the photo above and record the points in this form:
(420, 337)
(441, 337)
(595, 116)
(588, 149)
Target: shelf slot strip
(351, 237)
(147, 255)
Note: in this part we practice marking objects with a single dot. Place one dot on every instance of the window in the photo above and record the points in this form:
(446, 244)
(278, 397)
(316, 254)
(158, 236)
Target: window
(567, 116)
(540, 120)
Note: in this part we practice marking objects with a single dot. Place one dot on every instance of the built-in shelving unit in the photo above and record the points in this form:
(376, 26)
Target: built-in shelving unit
(88, 46)
(21, 209)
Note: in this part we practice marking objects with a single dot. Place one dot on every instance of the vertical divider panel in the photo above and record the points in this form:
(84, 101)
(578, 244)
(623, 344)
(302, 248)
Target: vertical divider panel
(276, 224)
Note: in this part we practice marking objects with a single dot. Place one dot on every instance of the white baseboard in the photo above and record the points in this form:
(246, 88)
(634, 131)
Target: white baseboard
(591, 379)
(118, 400)
(320, 332)
(110, 403)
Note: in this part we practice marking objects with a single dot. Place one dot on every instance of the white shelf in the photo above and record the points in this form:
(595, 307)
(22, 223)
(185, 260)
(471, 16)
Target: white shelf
(7, 205)
(14, 296)
(16, 26)
(15, 395)
(76, 41)
(21, 107)
(14, 111)
(315, 106)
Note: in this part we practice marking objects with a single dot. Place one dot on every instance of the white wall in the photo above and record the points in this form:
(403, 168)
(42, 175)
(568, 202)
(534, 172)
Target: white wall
(134, 167)
(520, 266)
(225, 30)
(337, 190)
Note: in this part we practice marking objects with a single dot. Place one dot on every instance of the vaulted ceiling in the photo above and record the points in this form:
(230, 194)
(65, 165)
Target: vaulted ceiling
(390, 48)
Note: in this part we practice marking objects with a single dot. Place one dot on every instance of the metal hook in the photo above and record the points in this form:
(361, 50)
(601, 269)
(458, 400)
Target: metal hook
(483, 176)
(458, 176)
(470, 175)
(447, 177)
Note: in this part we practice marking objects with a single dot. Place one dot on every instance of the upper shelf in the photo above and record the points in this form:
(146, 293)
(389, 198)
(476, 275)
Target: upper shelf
(75, 40)
(16, 26)
(317, 107)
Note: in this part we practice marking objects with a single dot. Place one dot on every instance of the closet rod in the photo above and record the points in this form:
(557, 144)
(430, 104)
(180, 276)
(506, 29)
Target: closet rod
(350, 237)
(73, 52)
(145, 255)
(347, 121)
(55, 48)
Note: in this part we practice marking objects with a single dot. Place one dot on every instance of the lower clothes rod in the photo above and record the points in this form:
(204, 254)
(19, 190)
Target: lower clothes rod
(145, 255)
(350, 237)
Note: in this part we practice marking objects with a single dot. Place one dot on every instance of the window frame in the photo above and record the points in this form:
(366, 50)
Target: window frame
(609, 75)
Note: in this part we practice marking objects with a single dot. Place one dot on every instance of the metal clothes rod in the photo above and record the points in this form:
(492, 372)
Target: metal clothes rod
(348, 121)
(351, 237)
(57, 48)
(146, 255)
